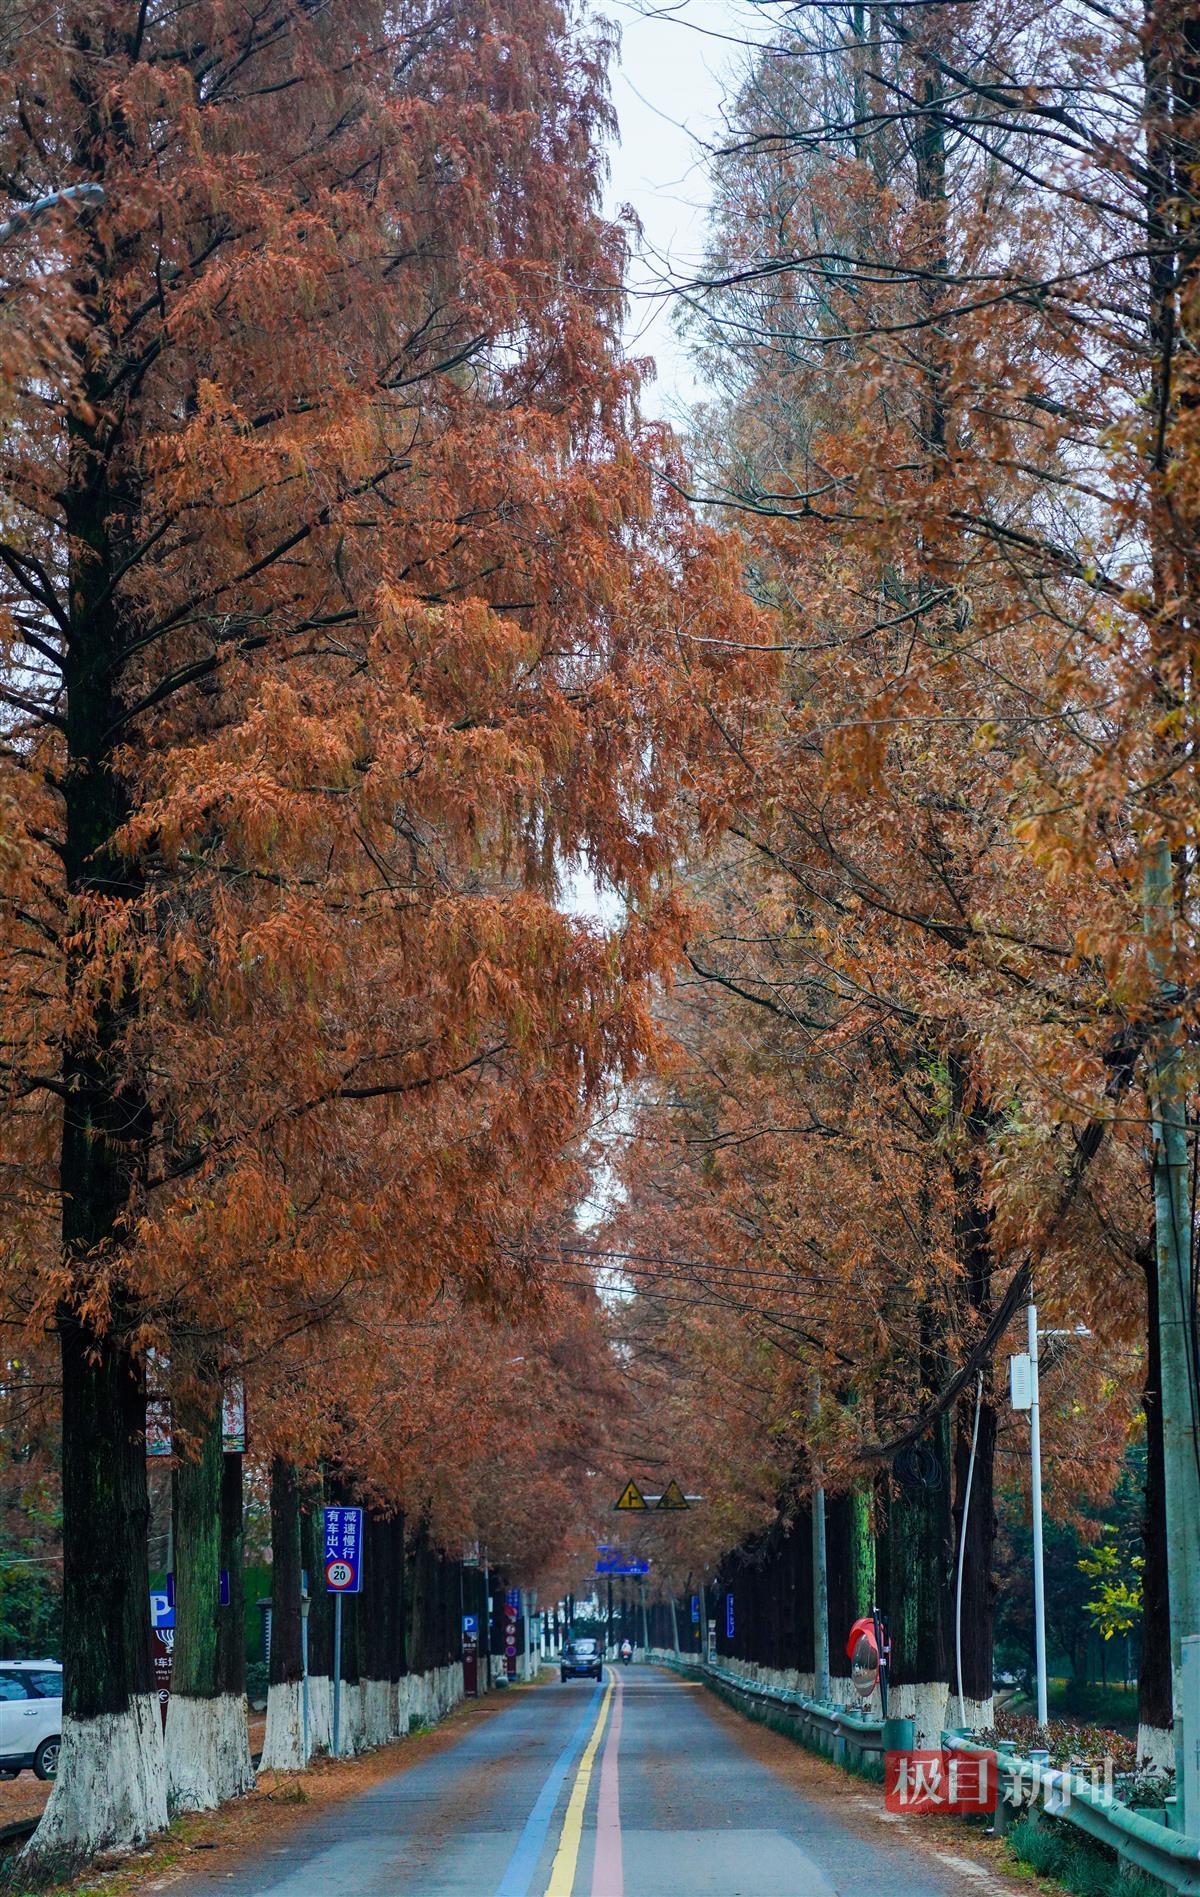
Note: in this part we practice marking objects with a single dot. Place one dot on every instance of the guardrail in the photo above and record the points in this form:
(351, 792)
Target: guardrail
(837, 1731)
(1141, 1841)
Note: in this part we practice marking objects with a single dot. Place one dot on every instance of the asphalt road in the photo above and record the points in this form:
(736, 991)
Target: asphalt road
(639, 1788)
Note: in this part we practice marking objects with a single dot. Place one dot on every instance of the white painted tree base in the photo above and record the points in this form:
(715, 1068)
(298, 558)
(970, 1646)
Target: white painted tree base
(379, 1720)
(351, 1737)
(320, 1712)
(1156, 1747)
(207, 1752)
(283, 1743)
(111, 1788)
(927, 1705)
(373, 1712)
(980, 1714)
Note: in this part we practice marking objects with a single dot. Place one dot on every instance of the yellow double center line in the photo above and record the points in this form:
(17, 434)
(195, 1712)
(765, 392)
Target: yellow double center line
(562, 1871)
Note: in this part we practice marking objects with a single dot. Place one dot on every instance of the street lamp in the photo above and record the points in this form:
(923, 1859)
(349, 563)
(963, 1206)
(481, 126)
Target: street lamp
(1023, 1390)
(81, 194)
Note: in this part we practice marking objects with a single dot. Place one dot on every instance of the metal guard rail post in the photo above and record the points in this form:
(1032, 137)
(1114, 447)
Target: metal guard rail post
(1137, 1841)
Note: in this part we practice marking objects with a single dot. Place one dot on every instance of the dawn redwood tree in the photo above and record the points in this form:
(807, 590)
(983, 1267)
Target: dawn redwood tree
(334, 618)
(943, 257)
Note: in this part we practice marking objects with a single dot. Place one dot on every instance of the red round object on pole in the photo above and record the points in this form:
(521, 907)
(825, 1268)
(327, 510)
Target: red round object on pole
(863, 1625)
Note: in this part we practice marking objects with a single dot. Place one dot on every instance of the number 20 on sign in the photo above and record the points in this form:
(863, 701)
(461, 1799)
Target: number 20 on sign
(343, 1550)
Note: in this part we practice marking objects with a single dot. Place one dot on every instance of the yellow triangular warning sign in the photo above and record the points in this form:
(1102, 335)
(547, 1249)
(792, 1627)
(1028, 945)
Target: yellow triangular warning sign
(631, 1497)
(672, 1496)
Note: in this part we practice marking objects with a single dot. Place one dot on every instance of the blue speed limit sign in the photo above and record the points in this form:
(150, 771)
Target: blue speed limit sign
(343, 1550)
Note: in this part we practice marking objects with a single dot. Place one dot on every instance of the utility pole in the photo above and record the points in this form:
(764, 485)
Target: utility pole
(1177, 1343)
(1039, 1566)
(337, 1676)
(820, 1572)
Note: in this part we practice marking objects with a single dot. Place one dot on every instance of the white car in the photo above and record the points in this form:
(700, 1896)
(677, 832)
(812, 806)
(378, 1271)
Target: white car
(30, 1716)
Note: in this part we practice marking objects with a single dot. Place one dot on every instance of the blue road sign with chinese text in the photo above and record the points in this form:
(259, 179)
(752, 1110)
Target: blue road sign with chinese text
(343, 1550)
(612, 1561)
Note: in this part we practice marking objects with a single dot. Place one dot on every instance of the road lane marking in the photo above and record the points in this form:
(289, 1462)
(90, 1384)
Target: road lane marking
(608, 1874)
(523, 1863)
(562, 1871)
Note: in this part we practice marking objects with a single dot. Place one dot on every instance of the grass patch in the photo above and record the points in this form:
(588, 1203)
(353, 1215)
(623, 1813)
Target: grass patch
(1083, 1868)
(292, 1791)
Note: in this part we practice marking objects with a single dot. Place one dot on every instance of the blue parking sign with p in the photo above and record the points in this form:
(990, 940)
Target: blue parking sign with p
(343, 1550)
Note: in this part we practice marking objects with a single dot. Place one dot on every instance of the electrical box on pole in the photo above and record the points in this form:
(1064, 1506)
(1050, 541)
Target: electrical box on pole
(1020, 1381)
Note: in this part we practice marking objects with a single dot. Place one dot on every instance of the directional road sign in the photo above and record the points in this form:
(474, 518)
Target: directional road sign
(343, 1550)
(630, 1497)
(613, 1561)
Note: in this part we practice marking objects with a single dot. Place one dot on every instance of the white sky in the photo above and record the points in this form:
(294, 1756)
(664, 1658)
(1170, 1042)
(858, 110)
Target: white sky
(667, 91)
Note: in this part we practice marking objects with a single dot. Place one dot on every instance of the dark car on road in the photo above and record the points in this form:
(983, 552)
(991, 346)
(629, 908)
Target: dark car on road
(582, 1660)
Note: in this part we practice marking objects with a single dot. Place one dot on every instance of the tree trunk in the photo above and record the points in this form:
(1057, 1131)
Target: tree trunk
(111, 1783)
(397, 1665)
(915, 1572)
(231, 1632)
(978, 1582)
(379, 1605)
(207, 1745)
(283, 1746)
(320, 1620)
(850, 1547)
(196, 1520)
(417, 1600)
(971, 1698)
(1156, 1742)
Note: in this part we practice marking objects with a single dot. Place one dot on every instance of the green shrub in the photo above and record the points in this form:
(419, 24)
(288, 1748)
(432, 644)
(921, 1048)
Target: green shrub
(1083, 1868)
